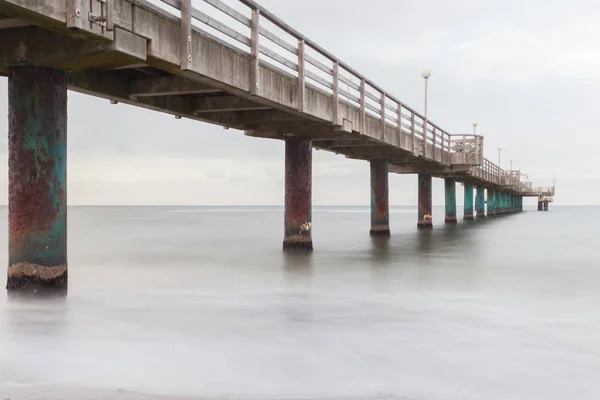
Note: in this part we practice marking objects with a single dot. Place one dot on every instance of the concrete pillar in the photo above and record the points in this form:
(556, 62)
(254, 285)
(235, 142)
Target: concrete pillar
(491, 202)
(480, 201)
(450, 192)
(380, 212)
(545, 205)
(298, 194)
(540, 205)
(468, 208)
(520, 199)
(501, 209)
(425, 202)
(37, 181)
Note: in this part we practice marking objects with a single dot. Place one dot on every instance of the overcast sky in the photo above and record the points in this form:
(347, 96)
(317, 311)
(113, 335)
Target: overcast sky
(526, 71)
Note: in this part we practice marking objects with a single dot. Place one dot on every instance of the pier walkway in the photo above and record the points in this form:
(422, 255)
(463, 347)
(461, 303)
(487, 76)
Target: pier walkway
(232, 64)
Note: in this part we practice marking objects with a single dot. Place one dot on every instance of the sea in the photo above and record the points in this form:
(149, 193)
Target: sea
(202, 303)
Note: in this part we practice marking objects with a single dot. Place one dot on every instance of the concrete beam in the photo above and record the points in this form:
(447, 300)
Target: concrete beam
(226, 103)
(168, 86)
(13, 23)
(42, 47)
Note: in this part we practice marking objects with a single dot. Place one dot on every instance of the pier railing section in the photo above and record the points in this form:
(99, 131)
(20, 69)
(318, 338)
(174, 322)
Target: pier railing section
(250, 28)
(244, 25)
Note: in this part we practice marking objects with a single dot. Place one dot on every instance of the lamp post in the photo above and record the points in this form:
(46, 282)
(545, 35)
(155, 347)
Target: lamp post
(499, 168)
(425, 74)
(474, 127)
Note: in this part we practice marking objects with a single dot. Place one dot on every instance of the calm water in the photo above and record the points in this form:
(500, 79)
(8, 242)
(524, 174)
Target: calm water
(201, 302)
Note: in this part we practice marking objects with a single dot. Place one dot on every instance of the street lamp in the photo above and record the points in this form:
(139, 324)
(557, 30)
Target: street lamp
(425, 74)
(499, 168)
(474, 127)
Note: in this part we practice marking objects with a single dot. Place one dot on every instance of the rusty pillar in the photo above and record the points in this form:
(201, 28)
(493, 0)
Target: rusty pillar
(425, 202)
(37, 183)
(380, 213)
(450, 194)
(298, 194)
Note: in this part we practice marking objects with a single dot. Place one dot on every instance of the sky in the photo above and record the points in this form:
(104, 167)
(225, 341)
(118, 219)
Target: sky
(527, 72)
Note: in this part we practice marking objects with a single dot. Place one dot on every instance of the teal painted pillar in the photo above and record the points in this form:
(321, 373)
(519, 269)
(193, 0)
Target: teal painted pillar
(480, 201)
(468, 201)
(500, 202)
(519, 203)
(491, 202)
(450, 191)
(425, 202)
(37, 182)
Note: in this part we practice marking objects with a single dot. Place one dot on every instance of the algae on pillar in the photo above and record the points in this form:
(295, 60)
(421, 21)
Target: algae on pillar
(380, 212)
(298, 194)
(450, 194)
(37, 182)
(480, 203)
(491, 202)
(468, 206)
(425, 202)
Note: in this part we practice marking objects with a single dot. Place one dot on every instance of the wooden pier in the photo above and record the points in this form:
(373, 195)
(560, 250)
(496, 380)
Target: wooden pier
(232, 64)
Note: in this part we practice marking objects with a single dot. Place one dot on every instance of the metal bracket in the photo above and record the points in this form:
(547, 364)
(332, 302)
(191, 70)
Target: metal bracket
(105, 18)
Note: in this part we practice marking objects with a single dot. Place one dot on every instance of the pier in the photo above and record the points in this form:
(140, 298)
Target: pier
(267, 80)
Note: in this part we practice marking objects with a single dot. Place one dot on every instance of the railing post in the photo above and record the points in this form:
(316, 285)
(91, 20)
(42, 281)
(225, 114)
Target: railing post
(110, 26)
(382, 116)
(301, 86)
(362, 115)
(186, 35)
(399, 128)
(434, 135)
(336, 92)
(443, 150)
(412, 132)
(254, 58)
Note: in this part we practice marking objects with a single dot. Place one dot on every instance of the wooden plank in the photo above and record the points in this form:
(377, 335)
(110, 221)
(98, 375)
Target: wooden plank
(336, 93)
(301, 83)
(186, 35)
(254, 41)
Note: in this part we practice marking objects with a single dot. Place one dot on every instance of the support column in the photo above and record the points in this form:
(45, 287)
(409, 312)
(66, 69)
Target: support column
(37, 182)
(380, 213)
(298, 194)
(425, 202)
(468, 213)
(501, 207)
(540, 205)
(450, 191)
(491, 202)
(520, 198)
(480, 203)
(545, 205)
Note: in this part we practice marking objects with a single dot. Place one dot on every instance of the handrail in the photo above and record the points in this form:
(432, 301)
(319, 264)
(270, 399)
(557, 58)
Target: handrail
(427, 138)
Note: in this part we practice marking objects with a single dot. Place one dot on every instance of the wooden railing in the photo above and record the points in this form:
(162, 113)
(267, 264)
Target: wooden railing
(248, 27)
